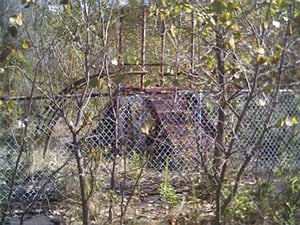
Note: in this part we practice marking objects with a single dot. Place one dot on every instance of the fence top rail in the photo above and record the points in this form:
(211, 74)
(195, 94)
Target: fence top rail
(124, 91)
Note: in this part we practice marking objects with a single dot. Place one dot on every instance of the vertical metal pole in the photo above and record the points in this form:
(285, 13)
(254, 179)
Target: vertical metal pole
(193, 42)
(192, 46)
(143, 41)
(163, 47)
(120, 37)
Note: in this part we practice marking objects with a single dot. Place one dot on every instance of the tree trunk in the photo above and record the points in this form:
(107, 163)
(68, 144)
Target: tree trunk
(219, 141)
(82, 182)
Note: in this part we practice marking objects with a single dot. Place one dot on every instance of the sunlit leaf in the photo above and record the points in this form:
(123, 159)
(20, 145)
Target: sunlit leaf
(261, 102)
(12, 20)
(278, 47)
(94, 152)
(282, 123)
(231, 43)
(188, 8)
(19, 20)
(173, 30)
(260, 51)
(294, 120)
(153, 7)
(25, 44)
(16, 20)
(224, 17)
(234, 5)
(272, 11)
(114, 61)
(177, 9)
(288, 122)
(276, 23)
(145, 128)
(68, 8)
(2, 70)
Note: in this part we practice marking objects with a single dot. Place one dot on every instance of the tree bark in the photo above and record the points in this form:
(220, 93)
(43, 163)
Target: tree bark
(219, 141)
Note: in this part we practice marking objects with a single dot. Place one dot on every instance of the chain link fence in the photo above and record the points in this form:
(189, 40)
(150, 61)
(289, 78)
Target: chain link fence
(163, 129)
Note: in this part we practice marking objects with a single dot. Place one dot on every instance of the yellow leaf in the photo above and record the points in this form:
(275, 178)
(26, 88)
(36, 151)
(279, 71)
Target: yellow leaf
(145, 128)
(224, 17)
(274, 59)
(294, 120)
(68, 8)
(282, 122)
(94, 152)
(25, 44)
(261, 59)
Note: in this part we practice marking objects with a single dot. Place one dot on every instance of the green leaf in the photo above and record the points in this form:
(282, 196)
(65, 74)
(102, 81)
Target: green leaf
(94, 83)
(234, 104)
(148, 83)
(118, 78)
(218, 6)
(267, 90)
(272, 11)
(176, 83)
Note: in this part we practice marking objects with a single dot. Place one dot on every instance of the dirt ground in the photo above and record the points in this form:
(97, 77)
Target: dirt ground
(36, 220)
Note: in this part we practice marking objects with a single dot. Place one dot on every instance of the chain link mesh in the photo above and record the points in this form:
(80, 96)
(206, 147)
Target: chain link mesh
(170, 129)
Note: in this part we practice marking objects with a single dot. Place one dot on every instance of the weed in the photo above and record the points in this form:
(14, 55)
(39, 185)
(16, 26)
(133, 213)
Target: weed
(167, 192)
